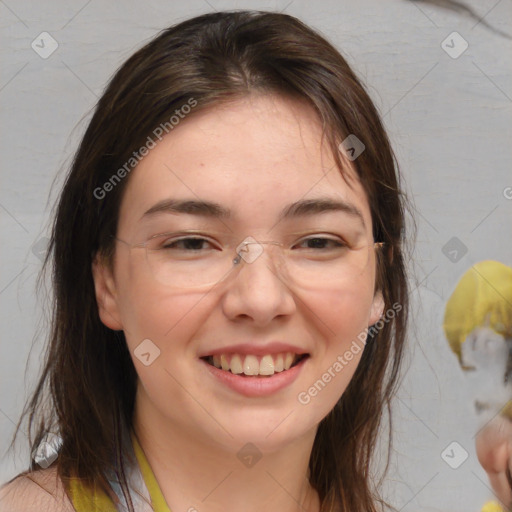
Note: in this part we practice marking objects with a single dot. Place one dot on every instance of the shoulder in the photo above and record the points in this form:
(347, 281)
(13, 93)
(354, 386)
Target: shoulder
(36, 491)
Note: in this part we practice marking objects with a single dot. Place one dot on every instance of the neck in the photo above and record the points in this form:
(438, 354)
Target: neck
(197, 474)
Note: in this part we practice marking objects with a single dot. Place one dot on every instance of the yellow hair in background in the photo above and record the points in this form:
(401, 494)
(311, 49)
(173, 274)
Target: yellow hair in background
(482, 298)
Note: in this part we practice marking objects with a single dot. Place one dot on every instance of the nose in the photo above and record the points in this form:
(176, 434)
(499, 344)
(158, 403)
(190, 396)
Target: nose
(256, 290)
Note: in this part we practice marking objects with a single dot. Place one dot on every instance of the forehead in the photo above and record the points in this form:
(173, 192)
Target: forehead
(253, 155)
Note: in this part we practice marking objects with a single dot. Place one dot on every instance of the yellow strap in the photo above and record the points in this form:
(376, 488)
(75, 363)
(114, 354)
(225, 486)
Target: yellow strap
(85, 499)
(157, 498)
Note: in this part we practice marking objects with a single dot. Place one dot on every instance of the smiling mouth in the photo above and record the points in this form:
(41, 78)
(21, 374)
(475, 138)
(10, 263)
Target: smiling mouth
(248, 365)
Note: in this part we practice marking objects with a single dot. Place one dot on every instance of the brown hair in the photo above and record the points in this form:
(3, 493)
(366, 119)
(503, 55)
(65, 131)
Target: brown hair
(88, 383)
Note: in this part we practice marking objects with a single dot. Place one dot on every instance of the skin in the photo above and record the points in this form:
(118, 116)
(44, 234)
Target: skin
(253, 156)
(494, 451)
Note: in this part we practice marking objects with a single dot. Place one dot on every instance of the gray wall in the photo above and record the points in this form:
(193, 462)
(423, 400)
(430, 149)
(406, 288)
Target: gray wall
(449, 119)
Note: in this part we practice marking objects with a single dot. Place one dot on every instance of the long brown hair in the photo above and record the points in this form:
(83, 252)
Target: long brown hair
(88, 383)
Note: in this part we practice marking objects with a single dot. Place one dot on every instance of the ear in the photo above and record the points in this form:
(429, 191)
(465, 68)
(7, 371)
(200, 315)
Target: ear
(106, 295)
(377, 308)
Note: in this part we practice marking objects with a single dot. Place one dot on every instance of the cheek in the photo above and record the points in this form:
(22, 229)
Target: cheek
(166, 319)
(349, 318)
(170, 321)
(340, 319)
(147, 309)
(341, 315)
(159, 332)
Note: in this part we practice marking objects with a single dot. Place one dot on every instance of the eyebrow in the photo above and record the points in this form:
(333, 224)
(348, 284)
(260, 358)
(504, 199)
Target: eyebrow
(301, 208)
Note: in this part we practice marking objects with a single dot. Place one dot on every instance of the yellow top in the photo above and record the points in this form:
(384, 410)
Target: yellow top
(85, 499)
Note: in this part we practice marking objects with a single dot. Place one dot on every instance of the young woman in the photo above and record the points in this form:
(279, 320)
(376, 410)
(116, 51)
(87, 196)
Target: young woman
(230, 292)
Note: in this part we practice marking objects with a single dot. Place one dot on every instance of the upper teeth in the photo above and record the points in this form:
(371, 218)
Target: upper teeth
(252, 365)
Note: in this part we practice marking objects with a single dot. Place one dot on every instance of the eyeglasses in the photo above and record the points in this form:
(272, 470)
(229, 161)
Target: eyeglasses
(189, 260)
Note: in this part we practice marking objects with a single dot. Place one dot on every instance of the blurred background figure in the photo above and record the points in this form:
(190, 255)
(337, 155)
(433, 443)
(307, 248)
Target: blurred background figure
(478, 326)
(494, 450)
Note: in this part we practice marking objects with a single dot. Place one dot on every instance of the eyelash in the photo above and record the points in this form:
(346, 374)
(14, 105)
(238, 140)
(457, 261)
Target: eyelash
(169, 244)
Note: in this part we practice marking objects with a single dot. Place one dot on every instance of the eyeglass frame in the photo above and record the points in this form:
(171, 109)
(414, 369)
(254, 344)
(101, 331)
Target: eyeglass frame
(237, 259)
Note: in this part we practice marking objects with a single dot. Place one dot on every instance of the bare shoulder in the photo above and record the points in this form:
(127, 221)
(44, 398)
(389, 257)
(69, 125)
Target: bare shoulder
(37, 491)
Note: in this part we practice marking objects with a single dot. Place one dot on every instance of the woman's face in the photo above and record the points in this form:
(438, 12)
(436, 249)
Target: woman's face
(254, 158)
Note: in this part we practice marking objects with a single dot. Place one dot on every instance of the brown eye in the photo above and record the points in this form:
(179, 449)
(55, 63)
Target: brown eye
(319, 242)
(186, 244)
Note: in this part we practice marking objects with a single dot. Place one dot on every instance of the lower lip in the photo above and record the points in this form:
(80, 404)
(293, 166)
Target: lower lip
(253, 386)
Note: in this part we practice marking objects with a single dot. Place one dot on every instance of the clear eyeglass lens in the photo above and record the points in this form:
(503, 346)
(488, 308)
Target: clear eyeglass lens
(195, 263)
